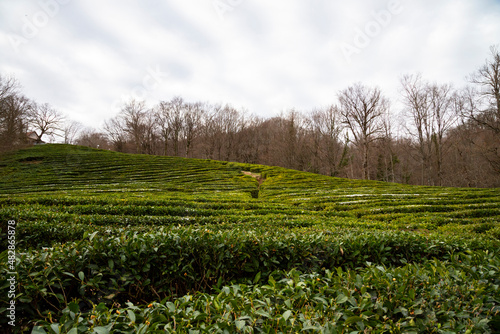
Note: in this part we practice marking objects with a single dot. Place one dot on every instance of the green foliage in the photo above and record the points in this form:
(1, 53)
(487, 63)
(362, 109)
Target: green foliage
(434, 296)
(109, 242)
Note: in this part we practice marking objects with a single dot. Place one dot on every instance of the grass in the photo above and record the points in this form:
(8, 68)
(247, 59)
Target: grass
(111, 242)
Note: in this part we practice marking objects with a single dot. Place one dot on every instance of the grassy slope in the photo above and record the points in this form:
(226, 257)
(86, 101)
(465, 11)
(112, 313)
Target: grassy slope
(71, 168)
(203, 187)
(60, 193)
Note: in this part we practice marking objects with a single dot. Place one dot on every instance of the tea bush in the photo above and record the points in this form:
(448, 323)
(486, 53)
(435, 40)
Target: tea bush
(110, 242)
(434, 296)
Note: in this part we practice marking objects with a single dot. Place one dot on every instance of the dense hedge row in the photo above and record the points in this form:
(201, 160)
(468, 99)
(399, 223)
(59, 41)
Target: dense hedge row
(46, 234)
(457, 296)
(131, 266)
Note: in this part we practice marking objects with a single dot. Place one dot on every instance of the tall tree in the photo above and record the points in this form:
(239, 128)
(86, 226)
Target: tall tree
(418, 113)
(161, 112)
(387, 157)
(175, 121)
(326, 129)
(170, 116)
(193, 116)
(222, 123)
(292, 126)
(430, 110)
(362, 108)
(14, 113)
(115, 130)
(483, 107)
(133, 114)
(232, 121)
(45, 120)
(251, 139)
(71, 130)
(486, 110)
(9, 86)
(150, 132)
(444, 117)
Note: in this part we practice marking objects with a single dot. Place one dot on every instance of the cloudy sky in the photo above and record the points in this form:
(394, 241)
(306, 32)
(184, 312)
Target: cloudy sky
(86, 57)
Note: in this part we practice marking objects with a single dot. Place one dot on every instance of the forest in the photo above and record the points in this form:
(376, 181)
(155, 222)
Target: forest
(447, 136)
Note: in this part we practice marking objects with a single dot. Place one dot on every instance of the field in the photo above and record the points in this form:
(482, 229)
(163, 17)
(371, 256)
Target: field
(116, 243)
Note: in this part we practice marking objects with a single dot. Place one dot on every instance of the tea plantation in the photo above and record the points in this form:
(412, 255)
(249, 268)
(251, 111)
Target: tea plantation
(115, 243)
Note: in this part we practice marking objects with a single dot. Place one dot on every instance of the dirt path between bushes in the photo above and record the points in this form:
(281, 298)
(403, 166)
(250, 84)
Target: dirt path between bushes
(256, 176)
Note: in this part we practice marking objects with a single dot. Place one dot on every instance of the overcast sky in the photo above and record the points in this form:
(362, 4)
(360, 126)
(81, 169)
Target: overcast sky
(86, 57)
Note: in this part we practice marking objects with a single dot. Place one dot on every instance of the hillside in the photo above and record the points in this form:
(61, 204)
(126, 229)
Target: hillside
(80, 176)
(105, 228)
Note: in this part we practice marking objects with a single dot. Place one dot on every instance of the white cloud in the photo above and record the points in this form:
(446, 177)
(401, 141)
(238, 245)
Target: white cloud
(265, 56)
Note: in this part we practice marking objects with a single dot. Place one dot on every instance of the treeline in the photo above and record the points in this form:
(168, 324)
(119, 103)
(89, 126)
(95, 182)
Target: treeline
(24, 121)
(448, 136)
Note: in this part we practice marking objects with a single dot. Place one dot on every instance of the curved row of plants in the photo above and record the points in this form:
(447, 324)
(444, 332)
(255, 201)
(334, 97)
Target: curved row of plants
(48, 233)
(456, 296)
(131, 266)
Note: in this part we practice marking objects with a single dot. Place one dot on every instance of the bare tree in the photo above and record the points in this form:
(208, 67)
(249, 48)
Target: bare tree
(251, 138)
(161, 112)
(418, 112)
(193, 116)
(170, 118)
(387, 157)
(150, 132)
(222, 123)
(480, 128)
(175, 122)
(133, 114)
(482, 107)
(444, 118)
(45, 120)
(291, 131)
(486, 111)
(361, 108)
(9, 86)
(430, 109)
(92, 138)
(326, 129)
(14, 112)
(232, 121)
(314, 123)
(115, 129)
(210, 131)
(71, 130)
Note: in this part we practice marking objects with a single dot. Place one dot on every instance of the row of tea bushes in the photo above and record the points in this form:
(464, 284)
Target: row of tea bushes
(117, 266)
(56, 167)
(46, 233)
(456, 296)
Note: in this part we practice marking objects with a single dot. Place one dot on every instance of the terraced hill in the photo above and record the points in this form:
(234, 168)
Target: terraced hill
(121, 239)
